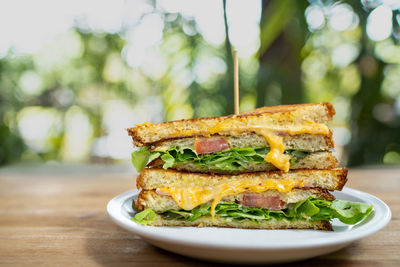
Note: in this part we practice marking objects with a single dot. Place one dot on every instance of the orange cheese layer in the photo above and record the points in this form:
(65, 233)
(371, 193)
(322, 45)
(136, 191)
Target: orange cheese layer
(189, 198)
(276, 154)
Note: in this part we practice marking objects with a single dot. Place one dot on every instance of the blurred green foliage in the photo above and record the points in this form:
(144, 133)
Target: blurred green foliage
(296, 66)
(68, 90)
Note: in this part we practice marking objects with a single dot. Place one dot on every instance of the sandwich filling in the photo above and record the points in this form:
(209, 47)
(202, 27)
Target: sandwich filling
(188, 199)
(226, 159)
(311, 209)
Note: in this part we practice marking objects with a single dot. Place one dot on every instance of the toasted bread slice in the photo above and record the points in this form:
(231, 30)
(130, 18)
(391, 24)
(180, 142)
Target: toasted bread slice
(303, 142)
(206, 221)
(289, 119)
(160, 203)
(153, 178)
(317, 160)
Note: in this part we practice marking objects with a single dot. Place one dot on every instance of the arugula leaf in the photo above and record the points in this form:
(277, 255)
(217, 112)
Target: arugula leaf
(144, 217)
(168, 161)
(153, 156)
(199, 211)
(350, 212)
(143, 156)
(307, 209)
(140, 158)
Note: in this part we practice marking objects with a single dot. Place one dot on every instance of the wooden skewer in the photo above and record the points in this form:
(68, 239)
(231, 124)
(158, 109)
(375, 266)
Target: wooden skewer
(236, 81)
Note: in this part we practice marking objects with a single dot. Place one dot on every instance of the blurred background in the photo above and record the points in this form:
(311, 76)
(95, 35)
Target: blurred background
(75, 74)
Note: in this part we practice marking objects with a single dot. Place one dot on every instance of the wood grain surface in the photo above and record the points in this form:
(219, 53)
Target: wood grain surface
(60, 220)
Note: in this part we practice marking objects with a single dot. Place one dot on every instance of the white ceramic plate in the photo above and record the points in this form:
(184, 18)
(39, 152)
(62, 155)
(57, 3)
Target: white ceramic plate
(252, 246)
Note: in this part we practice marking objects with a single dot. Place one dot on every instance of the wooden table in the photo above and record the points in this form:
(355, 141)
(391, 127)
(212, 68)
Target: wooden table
(60, 219)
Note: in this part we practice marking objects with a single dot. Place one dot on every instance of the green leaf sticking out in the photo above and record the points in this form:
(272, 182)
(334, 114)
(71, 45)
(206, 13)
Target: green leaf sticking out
(140, 158)
(144, 217)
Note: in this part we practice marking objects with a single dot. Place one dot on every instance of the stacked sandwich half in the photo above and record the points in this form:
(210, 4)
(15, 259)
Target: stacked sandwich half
(270, 168)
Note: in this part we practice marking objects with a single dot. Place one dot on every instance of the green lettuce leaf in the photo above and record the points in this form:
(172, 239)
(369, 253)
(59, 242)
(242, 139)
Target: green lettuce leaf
(307, 209)
(169, 161)
(153, 156)
(350, 212)
(140, 158)
(144, 217)
(199, 211)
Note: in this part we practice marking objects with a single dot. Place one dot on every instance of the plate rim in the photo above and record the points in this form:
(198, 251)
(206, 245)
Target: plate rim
(381, 218)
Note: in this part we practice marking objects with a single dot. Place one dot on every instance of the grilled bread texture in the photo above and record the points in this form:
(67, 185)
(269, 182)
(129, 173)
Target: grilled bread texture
(161, 202)
(153, 178)
(317, 160)
(286, 119)
(206, 221)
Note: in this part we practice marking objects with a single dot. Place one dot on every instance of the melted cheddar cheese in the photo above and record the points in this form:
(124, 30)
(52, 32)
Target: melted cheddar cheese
(189, 198)
(276, 154)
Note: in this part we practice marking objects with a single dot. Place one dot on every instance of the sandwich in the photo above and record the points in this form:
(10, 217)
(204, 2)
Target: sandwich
(269, 138)
(271, 168)
(265, 200)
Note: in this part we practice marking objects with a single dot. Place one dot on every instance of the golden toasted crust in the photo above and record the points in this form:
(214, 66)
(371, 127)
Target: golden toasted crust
(273, 117)
(287, 108)
(159, 203)
(342, 179)
(153, 178)
(317, 160)
(220, 222)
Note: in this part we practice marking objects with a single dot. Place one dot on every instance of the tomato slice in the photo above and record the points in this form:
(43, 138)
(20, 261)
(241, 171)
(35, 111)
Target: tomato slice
(210, 145)
(260, 201)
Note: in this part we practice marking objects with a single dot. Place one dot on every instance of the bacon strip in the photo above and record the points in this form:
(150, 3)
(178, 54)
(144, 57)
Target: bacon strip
(266, 202)
(210, 145)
